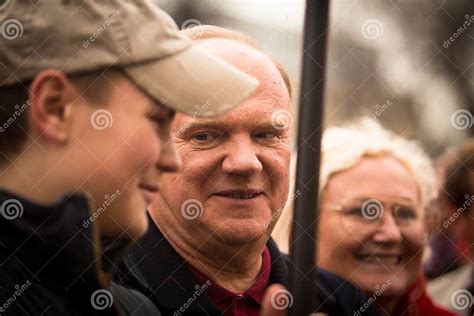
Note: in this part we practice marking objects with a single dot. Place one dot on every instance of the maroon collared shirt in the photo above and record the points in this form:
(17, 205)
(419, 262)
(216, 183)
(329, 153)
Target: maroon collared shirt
(247, 303)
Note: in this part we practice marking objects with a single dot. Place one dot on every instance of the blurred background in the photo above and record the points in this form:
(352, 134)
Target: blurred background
(407, 63)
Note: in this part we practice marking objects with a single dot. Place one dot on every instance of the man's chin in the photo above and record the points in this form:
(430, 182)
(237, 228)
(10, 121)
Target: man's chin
(240, 234)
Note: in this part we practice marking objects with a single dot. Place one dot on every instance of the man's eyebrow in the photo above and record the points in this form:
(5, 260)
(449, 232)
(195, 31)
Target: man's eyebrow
(213, 124)
(202, 123)
(267, 125)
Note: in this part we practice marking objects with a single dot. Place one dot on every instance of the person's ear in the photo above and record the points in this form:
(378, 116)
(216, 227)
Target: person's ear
(51, 95)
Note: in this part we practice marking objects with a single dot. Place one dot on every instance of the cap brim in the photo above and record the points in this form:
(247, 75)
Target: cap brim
(194, 82)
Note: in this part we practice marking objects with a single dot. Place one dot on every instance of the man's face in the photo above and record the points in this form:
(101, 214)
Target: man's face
(235, 169)
(120, 150)
(373, 250)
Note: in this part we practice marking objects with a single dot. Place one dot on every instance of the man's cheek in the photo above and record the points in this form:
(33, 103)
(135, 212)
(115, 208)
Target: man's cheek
(197, 166)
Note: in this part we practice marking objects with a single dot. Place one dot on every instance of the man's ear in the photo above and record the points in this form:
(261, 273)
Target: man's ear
(51, 96)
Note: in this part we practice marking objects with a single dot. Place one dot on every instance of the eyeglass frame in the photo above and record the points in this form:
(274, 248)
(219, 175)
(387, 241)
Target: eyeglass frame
(339, 208)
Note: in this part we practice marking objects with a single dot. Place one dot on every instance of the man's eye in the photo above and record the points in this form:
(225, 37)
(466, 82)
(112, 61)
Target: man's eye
(205, 139)
(267, 137)
(202, 137)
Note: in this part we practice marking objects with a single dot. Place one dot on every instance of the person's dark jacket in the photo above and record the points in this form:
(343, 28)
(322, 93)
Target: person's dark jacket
(154, 268)
(52, 262)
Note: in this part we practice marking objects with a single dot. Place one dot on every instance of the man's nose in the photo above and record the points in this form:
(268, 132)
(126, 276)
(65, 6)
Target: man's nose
(241, 158)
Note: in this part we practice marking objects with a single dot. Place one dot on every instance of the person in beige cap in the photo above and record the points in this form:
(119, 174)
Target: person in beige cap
(88, 91)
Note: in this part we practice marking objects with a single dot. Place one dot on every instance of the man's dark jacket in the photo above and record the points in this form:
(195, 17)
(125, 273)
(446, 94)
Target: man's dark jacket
(52, 262)
(154, 268)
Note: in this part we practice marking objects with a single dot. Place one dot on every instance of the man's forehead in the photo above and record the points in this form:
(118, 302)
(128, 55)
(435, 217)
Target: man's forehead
(252, 61)
(221, 45)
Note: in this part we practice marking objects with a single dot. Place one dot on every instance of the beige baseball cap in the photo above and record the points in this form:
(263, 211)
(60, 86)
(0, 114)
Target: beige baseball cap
(83, 36)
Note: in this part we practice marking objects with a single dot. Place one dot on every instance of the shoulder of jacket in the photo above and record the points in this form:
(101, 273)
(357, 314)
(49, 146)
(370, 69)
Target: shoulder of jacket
(132, 302)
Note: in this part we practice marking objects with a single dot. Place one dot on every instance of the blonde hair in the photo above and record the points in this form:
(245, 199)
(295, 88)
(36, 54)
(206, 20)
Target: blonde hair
(343, 147)
(202, 32)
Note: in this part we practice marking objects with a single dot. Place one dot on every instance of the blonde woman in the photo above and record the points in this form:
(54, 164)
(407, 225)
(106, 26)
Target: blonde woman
(374, 190)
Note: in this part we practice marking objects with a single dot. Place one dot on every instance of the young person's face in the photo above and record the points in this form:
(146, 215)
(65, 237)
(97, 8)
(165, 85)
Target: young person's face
(119, 152)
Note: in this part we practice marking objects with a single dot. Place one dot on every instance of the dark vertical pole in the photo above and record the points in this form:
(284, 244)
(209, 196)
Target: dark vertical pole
(302, 244)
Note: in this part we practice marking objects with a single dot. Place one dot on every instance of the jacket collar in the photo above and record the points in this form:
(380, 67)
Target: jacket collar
(56, 243)
(163, 273)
